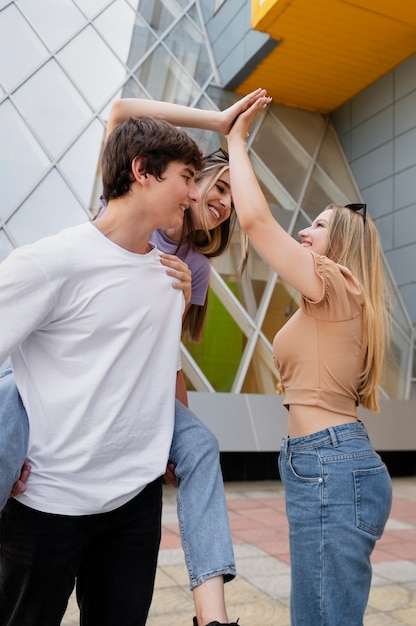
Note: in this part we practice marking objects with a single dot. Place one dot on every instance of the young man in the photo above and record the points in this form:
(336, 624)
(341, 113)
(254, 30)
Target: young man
(92, 326)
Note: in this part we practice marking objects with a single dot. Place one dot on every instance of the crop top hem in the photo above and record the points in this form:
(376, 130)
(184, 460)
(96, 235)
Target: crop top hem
(321, 399)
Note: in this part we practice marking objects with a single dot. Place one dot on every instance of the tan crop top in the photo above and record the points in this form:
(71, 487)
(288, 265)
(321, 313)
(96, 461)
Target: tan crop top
(318, 352)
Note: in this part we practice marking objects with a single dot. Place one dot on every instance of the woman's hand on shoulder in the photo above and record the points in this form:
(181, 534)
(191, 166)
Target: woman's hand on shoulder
(181, 272)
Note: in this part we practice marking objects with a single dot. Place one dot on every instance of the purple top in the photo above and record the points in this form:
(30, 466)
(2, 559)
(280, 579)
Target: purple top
(197, 263)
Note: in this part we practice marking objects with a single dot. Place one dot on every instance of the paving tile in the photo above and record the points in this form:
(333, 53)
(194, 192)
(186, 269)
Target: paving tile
(261, 566)
(178, 619)
(71, 617)
(264, 613)
(273, 543)
(257, 608)
(256, 535)
(178, 573)
(242, 588)
(163, 580)
(381, 556)
(171, 557)
(245, 550)
(170, 540)
(405, 487)
(411, 585)
(399, 571)
(242, 504)
(405, 550)
(267, 517)
(175, 603)
(404, 510)
(391, 597)
(276, 502)
(170, 517)
(408, 533)
(242, 522)
(276, 586)
(377, 619)
(395, 524)
(407, 616)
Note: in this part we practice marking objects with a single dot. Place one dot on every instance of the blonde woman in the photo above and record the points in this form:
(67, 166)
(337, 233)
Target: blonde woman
(329, 355)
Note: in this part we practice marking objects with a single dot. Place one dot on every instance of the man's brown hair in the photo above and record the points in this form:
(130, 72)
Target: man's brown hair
(157, 142)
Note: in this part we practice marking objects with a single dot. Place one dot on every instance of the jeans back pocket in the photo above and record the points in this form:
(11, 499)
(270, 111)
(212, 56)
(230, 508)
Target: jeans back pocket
(373, 498)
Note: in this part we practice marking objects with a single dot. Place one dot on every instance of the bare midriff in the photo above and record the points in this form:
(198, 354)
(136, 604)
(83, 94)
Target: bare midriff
(306, 420)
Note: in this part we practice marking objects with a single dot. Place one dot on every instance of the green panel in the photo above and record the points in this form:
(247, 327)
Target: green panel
(219, 353)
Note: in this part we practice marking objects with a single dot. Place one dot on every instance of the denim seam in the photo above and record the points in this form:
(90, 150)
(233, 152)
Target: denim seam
(228, 571)
(183, 534)
(324, 442)
(346, 457)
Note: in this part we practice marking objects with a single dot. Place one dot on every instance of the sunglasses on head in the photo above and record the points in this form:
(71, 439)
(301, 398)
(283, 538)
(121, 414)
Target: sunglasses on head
(358, 206)
(218, 151)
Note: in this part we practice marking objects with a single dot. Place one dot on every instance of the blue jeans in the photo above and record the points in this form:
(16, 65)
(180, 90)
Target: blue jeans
(111, 556)
(14, 432)
(338, 498)
(202, 508)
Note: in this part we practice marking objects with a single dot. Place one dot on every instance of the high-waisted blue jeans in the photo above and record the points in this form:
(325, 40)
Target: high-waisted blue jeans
(338, 498)
(202, 508)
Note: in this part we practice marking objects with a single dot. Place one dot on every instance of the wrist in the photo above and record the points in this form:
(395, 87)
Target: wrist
(237, 140)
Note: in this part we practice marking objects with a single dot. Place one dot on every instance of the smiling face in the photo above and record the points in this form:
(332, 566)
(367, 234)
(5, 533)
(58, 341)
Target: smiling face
(316, 235)
(177, 190)
(216, 205)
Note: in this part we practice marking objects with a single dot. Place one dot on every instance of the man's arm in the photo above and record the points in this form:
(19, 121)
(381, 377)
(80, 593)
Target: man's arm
(26, 298)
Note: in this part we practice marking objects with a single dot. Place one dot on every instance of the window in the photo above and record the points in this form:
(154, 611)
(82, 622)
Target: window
(218, 5)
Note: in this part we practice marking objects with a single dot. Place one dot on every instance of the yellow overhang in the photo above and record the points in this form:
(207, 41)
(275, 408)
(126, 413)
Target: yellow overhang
(329, 49)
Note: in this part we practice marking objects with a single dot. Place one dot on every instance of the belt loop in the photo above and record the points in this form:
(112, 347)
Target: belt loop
(363, 427)
(333, 437)
(284, 447)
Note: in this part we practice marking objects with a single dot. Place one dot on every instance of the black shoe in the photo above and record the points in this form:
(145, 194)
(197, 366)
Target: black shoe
(217, 623)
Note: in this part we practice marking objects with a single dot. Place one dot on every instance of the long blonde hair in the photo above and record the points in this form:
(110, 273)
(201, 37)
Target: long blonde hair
(210, 243)
(356, 245)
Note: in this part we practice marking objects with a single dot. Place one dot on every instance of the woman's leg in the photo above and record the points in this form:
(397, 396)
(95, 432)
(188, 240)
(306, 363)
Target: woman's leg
(338, 498)
(14, 432)
(202, 513)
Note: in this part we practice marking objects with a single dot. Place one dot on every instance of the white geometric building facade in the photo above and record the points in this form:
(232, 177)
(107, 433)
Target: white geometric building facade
(62, 63)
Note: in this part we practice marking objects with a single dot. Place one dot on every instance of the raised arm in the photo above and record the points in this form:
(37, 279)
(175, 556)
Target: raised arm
(285, 255)
(179, 115)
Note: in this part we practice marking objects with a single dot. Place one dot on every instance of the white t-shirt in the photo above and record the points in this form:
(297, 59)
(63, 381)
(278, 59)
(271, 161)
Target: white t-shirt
(93, 331)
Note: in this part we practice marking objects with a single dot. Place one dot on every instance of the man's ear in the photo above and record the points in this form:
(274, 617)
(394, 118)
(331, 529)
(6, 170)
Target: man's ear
(139, 170)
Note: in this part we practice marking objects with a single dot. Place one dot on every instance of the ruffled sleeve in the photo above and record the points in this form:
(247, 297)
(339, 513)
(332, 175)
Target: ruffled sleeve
(341, 297)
